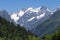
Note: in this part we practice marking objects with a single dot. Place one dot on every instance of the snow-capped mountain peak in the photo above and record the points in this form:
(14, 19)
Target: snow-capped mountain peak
(33, 9)
(21, 13)
(31, 17)
(15, 17)
(30, 8)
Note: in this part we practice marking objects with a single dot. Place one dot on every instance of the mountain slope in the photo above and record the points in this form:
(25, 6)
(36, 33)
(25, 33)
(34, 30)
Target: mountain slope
(8, 31)
(31, 17)
(49, 26)
(4, 14)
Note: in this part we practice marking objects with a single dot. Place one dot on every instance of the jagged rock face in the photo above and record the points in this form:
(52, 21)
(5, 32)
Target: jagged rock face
(31, 17)
(49, 26)
(4, 14)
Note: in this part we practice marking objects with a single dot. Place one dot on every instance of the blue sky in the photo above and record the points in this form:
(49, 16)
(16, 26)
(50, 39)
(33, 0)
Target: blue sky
(15, 5)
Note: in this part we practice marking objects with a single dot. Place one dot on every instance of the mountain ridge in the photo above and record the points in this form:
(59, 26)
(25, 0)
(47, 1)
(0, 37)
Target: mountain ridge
(31, 16)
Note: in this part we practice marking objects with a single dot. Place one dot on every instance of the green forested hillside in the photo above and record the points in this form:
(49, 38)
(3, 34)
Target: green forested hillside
(54, 36)
(8, 31)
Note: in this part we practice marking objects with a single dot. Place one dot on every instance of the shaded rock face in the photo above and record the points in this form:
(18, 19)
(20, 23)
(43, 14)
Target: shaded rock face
(49, 26)
(5, 14)
(31, 17)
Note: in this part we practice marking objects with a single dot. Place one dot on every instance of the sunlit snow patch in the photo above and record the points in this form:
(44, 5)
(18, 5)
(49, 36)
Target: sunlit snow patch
(15, 17)
(31, 19)
(40, 16)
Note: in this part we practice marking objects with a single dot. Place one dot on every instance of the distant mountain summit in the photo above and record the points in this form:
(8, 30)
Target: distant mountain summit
(4, 14)
(31, 17)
